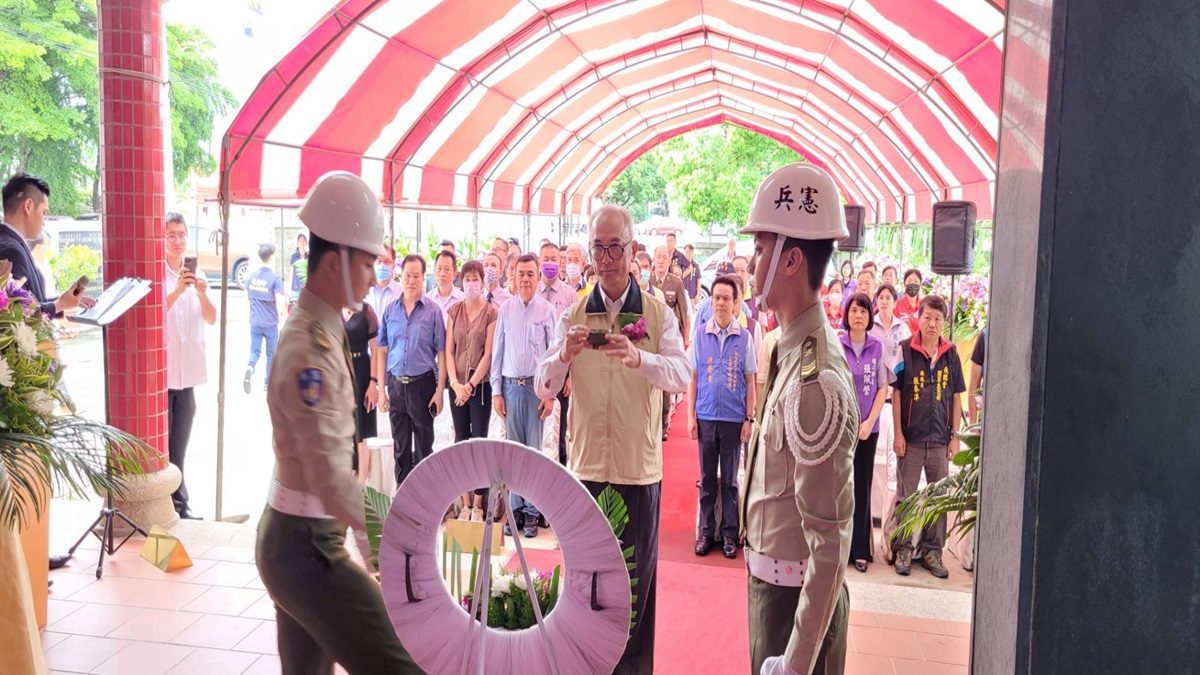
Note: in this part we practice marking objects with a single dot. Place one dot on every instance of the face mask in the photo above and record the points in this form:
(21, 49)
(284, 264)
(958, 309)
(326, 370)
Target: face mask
(550, 270)
(835, 299)
(573, 271)
(473, 288)
(911, 290)
(645, 276)
(490, 276)
(383, 272)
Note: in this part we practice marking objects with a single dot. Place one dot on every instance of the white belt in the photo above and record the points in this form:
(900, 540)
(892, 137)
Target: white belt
(776, 572)
(295, 502)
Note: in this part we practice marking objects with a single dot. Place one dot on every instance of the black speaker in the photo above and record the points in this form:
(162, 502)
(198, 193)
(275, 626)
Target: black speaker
(953, 237)
(856, 216)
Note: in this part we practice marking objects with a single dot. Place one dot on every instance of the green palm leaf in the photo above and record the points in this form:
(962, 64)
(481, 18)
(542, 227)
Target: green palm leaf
(614, 508)
(377, 506)
(72, 458)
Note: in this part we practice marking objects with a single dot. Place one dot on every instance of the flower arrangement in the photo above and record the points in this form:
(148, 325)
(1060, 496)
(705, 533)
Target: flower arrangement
(633, 326)
(509, 606)
(39, 449)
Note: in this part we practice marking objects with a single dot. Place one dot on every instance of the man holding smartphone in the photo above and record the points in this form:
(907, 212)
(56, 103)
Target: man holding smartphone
(188, 310)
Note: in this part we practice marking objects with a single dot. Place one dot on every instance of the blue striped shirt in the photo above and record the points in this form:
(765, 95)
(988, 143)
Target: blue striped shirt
(523, 334)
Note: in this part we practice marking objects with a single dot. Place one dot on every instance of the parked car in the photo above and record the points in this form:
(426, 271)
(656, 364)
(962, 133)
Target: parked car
(708, 266)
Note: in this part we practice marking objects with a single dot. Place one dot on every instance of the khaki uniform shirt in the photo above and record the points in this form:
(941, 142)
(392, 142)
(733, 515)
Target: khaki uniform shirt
(798, 500)
(675, 296)
(311, 399)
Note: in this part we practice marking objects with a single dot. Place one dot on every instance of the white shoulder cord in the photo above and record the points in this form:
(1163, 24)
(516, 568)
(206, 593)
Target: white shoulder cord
(815, 448)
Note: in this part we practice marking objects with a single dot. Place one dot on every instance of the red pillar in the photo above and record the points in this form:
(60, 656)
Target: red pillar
(131, 165)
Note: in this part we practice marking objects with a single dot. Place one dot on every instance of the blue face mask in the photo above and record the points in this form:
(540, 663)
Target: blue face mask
(383, 272)
(645, 276)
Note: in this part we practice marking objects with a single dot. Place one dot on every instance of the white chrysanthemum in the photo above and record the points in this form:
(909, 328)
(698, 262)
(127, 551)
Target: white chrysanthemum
(501, 585)
(43, 403)
(519, 582)
(6, 377)
(26, 339)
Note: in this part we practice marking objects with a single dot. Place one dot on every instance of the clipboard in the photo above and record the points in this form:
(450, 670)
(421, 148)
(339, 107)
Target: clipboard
(118, 298)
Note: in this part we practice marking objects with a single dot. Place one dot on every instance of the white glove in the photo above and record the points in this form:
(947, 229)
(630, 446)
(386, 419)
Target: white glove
(364, 549)
(775, 665)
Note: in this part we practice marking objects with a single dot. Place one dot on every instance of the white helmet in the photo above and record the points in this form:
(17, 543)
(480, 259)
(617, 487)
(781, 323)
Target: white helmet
(342, 209)
(799, 201)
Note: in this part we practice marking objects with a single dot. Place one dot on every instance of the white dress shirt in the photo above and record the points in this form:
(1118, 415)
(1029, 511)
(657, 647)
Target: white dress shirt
(456, 295)
(186, 364)
(669, 369)
(558, 294)
(381, 298)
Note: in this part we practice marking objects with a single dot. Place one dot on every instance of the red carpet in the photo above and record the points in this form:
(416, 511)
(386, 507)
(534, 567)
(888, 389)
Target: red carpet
(701, 623)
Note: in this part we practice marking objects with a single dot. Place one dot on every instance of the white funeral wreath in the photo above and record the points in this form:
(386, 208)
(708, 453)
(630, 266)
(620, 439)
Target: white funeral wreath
(589, 626)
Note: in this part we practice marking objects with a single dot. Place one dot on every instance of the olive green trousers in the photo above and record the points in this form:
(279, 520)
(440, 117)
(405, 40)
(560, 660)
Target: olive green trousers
(772, 612)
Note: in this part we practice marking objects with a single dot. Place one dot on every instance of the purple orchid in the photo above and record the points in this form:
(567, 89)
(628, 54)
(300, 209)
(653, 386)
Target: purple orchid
(635, 331)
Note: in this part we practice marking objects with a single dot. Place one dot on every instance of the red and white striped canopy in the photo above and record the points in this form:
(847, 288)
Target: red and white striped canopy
(534, 106)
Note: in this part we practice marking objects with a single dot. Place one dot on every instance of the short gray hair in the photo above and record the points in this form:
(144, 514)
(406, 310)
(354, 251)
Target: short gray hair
(577, 246)
(612, 209)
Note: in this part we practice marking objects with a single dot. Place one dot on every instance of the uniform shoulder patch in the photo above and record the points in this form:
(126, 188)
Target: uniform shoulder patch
(817, 415)
(320, 337)
(312, 385)
(808, 359)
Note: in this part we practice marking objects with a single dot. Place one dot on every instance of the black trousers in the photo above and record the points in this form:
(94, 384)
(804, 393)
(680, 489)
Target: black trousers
(864, 472)
(412, 422)
(564, 404)
(643, 502)
(181, 411)
(472, 419)
(719, 445)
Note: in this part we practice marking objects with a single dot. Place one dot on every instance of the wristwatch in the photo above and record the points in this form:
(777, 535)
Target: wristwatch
(750, 418)
(373, 379)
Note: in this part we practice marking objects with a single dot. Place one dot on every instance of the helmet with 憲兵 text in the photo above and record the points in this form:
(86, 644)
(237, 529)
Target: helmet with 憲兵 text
(799, 201)
(342, 209)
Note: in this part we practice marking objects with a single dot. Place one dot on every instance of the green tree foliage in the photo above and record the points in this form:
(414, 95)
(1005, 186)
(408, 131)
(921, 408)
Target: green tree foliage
(48, 94)
(75, 261)
(197, 99)
(49, 97)
(710, 174)
(639, 184)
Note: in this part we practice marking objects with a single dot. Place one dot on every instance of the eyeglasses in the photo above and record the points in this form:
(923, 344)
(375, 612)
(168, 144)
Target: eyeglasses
(600, 252)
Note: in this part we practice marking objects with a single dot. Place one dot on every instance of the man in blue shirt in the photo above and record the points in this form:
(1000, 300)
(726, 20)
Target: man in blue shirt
(265, 293)
(524, 328)
(412, 361)
(721, 401)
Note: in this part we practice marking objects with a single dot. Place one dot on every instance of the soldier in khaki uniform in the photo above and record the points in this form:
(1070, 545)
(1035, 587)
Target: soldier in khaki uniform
(329, 609)
(798, 499)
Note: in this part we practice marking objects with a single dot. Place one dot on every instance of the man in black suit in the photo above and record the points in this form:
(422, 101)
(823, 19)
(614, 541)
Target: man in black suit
(26, 200)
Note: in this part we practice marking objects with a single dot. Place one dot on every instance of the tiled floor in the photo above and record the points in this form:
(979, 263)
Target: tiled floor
(214, 617)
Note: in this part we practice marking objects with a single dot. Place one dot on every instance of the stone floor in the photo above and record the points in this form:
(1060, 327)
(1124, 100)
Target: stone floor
(215, 617)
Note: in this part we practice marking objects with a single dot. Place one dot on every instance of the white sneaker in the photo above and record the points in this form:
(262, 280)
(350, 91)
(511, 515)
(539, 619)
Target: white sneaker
(476, 515)
(464, 514)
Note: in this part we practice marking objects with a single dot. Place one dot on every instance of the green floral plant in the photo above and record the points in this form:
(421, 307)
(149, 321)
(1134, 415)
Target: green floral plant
(612, 504)
(953, 495)
(41, 452)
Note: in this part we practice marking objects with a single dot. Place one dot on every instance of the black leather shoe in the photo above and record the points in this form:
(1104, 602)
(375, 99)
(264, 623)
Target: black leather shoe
(57, 561)
(729, 547)
(861, 566)
(704, 545)
(188, 515)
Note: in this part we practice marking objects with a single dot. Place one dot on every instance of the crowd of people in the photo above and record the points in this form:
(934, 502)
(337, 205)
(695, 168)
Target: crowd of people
(606, 336)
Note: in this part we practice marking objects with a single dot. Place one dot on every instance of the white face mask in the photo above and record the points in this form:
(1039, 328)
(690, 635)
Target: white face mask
(473, 288)
(573, 271)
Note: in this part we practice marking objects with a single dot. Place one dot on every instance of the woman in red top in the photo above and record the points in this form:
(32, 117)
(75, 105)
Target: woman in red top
(833, 302)
(908, 304)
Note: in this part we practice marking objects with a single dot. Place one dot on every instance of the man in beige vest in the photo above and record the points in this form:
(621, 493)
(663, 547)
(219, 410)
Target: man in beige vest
(623, 349)
(798, 497)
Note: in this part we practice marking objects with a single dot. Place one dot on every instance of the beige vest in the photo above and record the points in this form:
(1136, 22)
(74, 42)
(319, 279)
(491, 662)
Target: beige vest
(616, 414)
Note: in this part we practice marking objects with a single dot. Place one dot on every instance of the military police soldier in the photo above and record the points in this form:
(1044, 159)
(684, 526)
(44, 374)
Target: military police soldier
(798, 500)
(329, 610)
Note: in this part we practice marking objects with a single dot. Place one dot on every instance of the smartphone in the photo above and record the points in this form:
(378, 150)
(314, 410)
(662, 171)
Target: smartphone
(190, 263)
(596, 338)
(80, 285)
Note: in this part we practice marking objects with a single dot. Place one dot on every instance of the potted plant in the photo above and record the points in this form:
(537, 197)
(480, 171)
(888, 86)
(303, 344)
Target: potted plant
(41, 452)
(956, 496)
